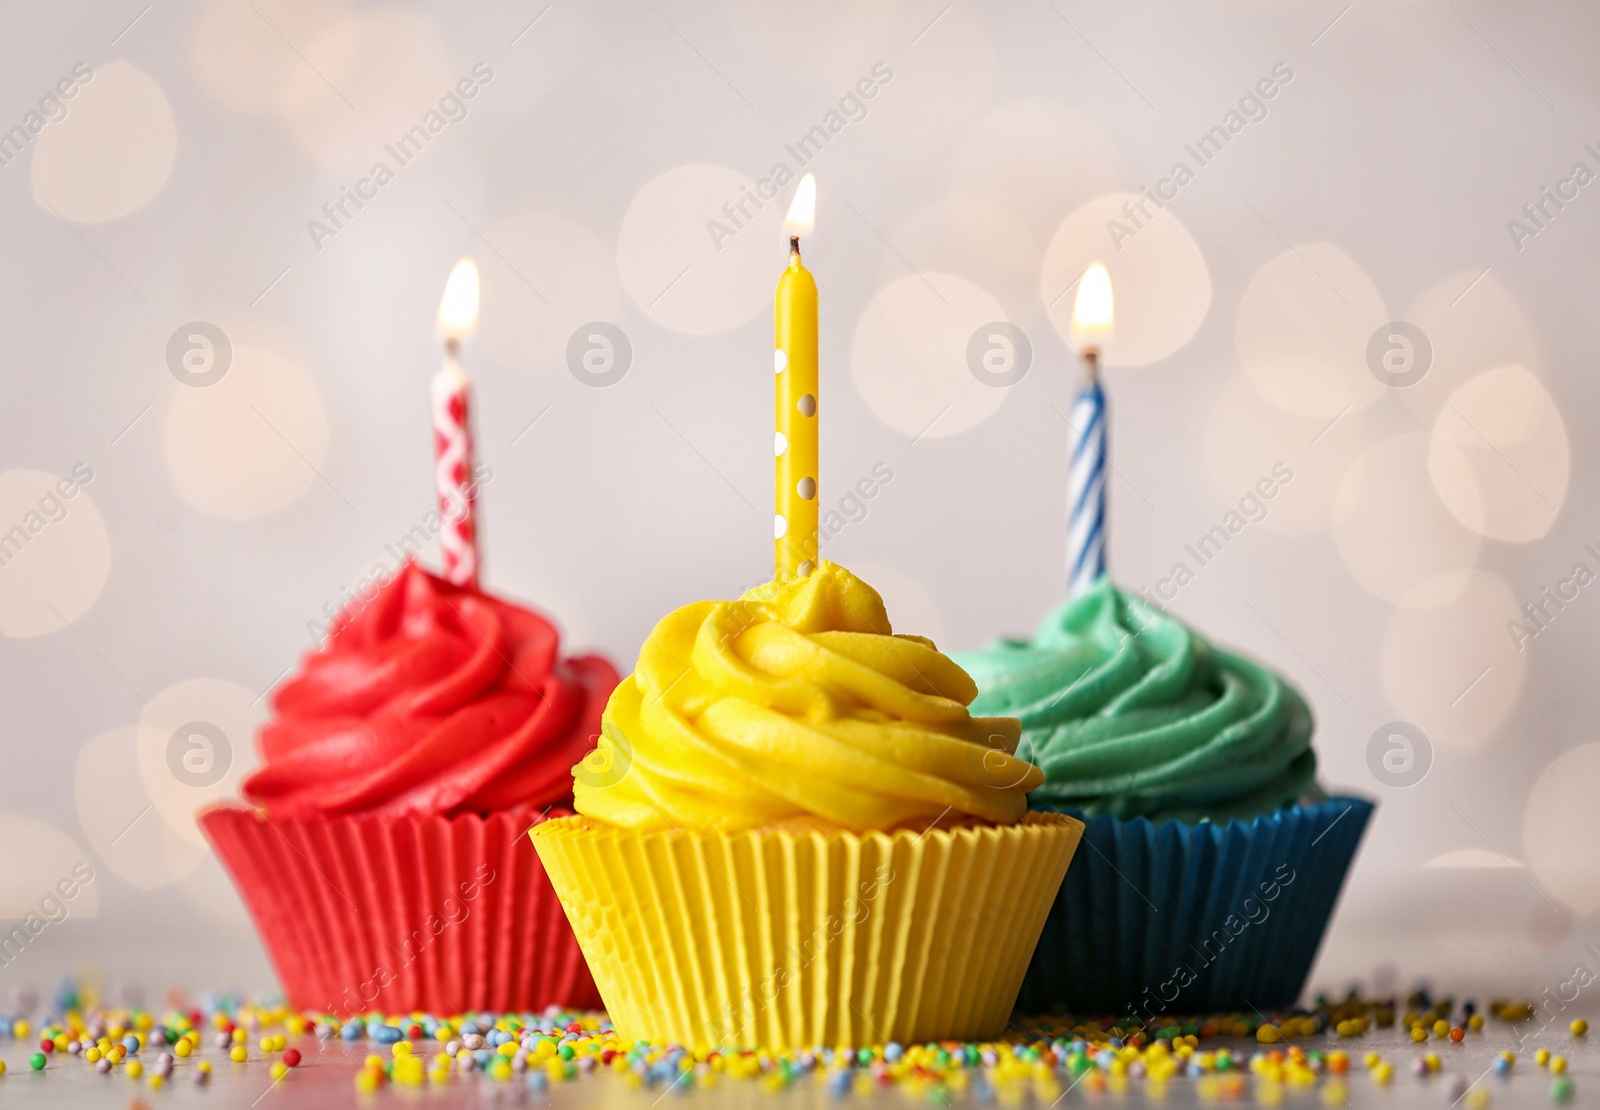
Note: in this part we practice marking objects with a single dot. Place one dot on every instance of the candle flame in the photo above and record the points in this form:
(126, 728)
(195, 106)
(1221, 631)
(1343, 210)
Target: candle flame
(803, 210)
(458, 311)
(1091, 312)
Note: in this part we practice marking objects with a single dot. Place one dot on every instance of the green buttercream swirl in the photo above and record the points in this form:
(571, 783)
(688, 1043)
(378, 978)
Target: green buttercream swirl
(1132, 713)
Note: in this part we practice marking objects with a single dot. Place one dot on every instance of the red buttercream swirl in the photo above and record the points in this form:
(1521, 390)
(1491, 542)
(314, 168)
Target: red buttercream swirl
(430, 699)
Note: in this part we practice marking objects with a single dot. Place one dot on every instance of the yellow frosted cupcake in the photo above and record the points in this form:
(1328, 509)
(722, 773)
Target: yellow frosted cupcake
(794, 834)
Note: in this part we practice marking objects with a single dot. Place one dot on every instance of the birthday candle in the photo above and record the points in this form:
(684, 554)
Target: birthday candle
(1086, 480)
(452, 430)
(794, 445)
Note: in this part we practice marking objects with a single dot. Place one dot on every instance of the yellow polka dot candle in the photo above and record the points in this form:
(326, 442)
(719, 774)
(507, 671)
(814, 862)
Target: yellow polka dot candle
(794, 361)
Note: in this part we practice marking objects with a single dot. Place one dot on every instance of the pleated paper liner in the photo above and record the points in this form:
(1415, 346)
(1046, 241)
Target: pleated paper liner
(439, 914)
(783, 940)
(1206, 918)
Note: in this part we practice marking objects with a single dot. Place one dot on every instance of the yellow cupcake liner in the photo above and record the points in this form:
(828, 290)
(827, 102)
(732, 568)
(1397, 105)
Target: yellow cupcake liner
(795, 940)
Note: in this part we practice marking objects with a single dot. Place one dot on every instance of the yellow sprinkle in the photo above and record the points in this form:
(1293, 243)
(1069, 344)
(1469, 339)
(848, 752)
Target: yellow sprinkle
(182, 1048)
(1558, 1064)
(1383, 1073)
(279, 1069)
(157, 1081)
(1372, 1059)
(239, 1054)
(1475, 1023)
(1542, 1057)
(1441, 1028)
(368, 1080)
(1268, 1034)
(1419, 1034)
(203, 1065)
(21, 1030)
(134, 1069)
(1478, 1098)
(93, 1055)
(1579, 1027)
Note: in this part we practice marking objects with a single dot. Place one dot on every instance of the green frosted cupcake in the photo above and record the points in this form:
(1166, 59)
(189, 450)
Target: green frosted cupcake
(1130, 712)
(1215, 859)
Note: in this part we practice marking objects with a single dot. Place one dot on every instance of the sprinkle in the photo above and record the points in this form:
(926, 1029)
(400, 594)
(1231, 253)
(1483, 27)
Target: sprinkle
(1579, 1027)
(37, 1061)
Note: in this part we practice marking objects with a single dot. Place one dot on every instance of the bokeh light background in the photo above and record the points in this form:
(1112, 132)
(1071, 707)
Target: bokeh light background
(972, 187)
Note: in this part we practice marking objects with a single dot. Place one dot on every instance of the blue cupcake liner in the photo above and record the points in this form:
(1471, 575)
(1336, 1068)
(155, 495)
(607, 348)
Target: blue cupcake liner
(1190, 919)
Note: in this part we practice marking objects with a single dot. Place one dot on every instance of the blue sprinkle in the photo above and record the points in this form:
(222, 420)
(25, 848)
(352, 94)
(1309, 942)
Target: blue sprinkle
(131, 1043)
(1114, 1042)
(483, 1056)
(386, 1034)
(537, 1082)
(892, 1052)
(468, 1027)
(351, 1032)
(839, 1084)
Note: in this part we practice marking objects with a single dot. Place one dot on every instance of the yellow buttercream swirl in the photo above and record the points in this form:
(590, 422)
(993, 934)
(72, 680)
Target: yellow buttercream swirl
(798, 701)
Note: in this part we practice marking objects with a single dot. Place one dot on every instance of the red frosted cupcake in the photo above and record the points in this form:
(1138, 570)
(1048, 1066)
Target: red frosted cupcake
(384, 858)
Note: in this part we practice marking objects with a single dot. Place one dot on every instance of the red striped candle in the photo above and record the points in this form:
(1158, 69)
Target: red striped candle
(452, 430)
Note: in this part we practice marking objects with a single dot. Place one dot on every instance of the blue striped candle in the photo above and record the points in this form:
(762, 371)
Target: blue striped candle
(1086, 488)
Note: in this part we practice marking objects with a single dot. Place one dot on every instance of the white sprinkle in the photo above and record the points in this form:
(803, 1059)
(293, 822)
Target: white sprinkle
(780, 444)
(780, 361)
(779, 527)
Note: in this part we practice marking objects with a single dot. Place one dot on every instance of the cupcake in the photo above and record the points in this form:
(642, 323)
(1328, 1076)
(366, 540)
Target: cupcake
(1215, 859)
(382, 854)
(794, 834)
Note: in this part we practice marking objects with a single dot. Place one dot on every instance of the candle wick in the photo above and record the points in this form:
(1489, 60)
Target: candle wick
(794, 244)
(452, 345)
(1091, 363)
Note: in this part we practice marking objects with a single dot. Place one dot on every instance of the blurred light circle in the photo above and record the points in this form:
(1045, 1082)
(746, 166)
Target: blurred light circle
(251, 444)
(911, 608)
(1304, 324)
(119, 817)
(55, 553)
(1246, 438)
(237, 55)
(1394, 535)
(38, 857)
(1452, 670)
(909, 355)
(233, 711)
(1560, 826)
(367, 81)
(545, 278)
(1473, 324)
(692, 259)
(1159, 278)
(1033, 159)
(1499, 455)
(960, 235)
(112, 152)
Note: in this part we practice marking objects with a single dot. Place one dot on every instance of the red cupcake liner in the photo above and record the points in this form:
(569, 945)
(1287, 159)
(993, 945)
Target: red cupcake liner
(445, 915)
